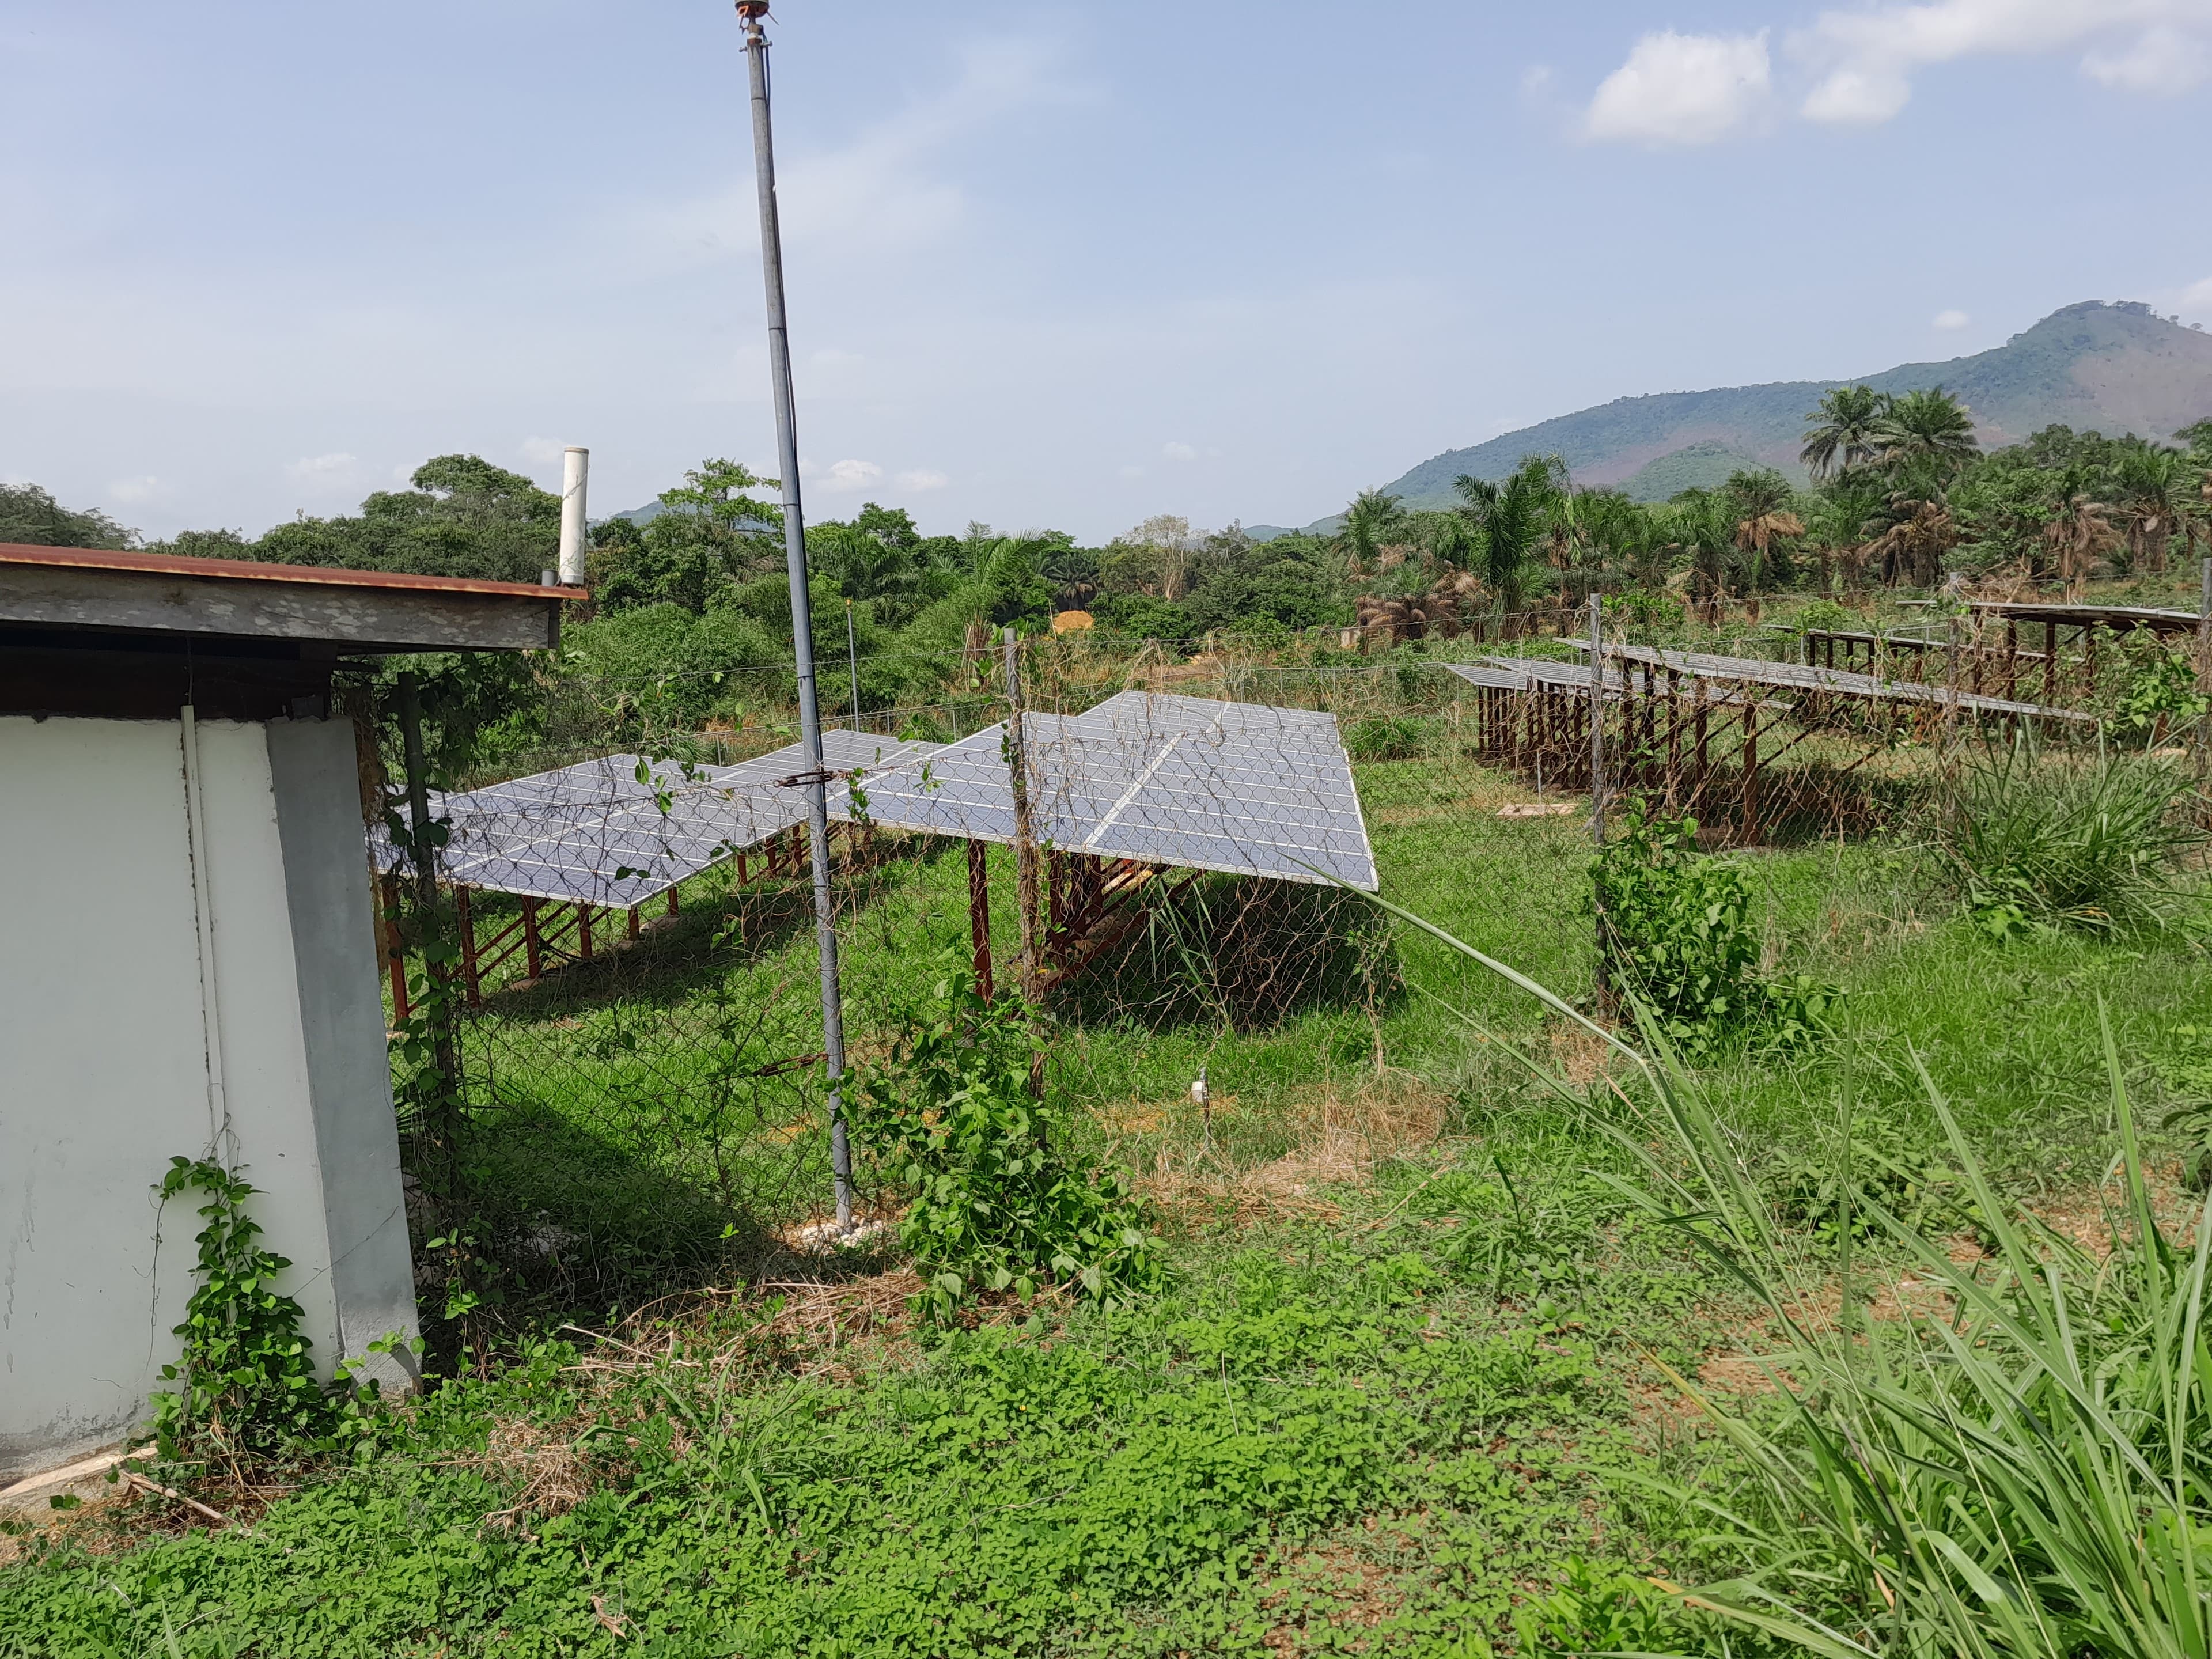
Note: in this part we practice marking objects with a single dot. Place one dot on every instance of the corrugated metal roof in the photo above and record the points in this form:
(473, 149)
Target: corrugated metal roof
(163, 564)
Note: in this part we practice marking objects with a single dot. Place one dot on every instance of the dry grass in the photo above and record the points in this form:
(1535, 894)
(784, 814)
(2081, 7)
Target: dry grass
(1339, 1136)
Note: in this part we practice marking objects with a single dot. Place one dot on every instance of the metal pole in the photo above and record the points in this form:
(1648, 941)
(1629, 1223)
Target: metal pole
(802, 621)
(853, 664)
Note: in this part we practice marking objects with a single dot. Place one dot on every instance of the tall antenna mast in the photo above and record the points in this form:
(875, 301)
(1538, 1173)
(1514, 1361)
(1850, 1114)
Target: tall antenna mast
(815, 779)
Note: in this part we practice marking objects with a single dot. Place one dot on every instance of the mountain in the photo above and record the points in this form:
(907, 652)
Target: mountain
(2111, 368)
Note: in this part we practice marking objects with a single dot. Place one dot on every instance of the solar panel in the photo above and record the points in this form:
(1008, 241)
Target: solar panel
(1798, 677)
(1161, 779)
(595, 833)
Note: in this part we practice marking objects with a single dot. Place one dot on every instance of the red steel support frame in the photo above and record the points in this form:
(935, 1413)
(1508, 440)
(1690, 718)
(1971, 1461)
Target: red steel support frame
(472, 983)
(533, 956)
(395, 948)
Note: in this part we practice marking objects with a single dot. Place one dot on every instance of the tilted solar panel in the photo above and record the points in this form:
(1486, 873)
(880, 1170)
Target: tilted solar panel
(1240, 787)
(595, 833)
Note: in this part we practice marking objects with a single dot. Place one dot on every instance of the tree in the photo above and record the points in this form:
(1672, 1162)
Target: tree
(28, 514)
(1929, 425)
(2152, 488)
(1843, 433)
(1839, 525)
(1371, 516)
(2076, 531)
(711, 532)
(1508, 520)
(1917, 528)
(1761, 500)
(1156, 559)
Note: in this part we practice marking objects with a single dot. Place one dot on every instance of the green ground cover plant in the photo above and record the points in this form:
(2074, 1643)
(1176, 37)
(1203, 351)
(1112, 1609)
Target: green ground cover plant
(1675, 932)
(1398, 1400)
(998, 1194)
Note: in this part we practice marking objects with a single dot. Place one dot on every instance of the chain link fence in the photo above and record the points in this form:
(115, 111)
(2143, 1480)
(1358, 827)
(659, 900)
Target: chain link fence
(637, 1100)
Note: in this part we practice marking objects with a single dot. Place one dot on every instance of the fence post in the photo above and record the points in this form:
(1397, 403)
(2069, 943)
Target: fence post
(1025, 847)
(439, 1105)
(2204, 667)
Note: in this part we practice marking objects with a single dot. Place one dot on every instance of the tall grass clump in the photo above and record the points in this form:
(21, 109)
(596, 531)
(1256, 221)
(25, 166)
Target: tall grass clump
(2013, 1462)
(2095, 842)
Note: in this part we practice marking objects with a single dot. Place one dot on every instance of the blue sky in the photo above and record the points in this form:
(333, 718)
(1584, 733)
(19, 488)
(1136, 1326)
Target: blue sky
(1049, 265)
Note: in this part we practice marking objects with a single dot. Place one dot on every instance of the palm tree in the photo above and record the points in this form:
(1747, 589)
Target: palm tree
(2151, 481)
(1841, 514)
(1508, 521)
(1931, 425)
(1841, 434)
(2076, 531)
(1760, 501)
(1371, 516)
(1915, 526)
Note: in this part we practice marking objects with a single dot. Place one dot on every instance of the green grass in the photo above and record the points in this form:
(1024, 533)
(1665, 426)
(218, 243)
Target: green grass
(1376, 1418)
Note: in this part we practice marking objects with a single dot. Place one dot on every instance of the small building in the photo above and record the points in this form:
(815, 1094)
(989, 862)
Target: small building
(187, 957)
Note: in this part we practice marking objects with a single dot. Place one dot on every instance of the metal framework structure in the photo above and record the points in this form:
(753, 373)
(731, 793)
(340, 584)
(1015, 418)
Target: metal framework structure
(1141, 785)
(1703, 732)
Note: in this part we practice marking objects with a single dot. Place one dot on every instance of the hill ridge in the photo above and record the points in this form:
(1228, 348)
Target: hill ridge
(2112, 366)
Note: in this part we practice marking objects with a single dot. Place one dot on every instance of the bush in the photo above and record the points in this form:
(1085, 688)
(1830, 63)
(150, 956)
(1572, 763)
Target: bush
(1678, 934)
(1387, 737)
(1000, 1199)
(2030, 839)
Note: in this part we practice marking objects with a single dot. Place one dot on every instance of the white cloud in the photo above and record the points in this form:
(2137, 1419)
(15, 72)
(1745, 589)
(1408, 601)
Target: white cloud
(1682, 89)
(335, 465)
(1947, 319)
(922, 478)
(886, 187)
(133, 489)
(1174, 452)
(541, 451)
(1132, 472)
(1865, 59)
(850, 475)
(2164, 62)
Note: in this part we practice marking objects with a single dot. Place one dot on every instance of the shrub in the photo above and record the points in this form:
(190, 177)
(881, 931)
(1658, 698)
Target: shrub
(1387, 737)
(2028, 839)
(1677, 933)
(1000, 1199)
(245, 1381)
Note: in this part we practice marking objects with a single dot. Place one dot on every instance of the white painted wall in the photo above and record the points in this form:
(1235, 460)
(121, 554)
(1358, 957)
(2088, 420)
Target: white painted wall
(105, 1066)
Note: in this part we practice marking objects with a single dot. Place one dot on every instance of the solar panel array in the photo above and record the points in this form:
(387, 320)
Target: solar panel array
(1798, 677)
(596, 832)
(1160, 779)
(1526, 673)
(1152, 777)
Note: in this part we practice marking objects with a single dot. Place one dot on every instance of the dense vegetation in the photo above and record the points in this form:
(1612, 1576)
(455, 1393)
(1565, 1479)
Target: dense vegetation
(1442, 1319)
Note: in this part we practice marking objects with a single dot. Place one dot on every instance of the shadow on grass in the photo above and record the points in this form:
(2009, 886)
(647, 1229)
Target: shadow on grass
(1243, 952)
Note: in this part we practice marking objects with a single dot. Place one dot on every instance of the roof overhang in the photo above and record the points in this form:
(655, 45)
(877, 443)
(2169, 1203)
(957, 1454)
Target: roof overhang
(330, 612)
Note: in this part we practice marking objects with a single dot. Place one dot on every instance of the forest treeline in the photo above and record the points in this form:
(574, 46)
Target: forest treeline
(695, 597)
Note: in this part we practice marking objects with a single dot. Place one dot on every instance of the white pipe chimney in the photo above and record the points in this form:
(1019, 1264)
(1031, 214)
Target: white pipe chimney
(576, 466)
